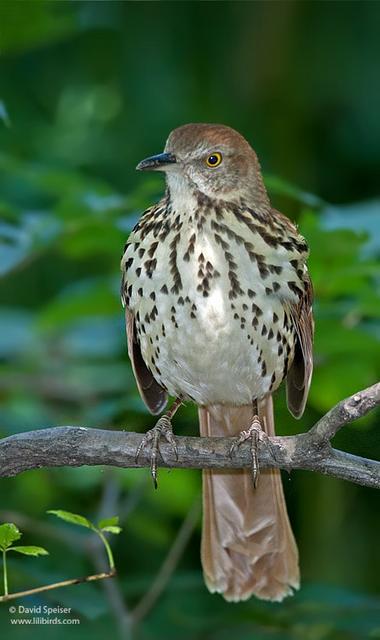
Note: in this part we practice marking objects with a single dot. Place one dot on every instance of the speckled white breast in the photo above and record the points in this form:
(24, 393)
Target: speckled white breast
(219, 335)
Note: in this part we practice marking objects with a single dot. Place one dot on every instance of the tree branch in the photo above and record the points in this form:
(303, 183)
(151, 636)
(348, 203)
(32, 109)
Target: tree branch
(77, 446)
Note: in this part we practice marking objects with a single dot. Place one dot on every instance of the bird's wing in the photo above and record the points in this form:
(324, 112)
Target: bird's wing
(154, 396)
(299, 375)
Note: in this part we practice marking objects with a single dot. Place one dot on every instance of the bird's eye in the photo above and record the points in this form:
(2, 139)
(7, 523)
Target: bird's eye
(214, 159)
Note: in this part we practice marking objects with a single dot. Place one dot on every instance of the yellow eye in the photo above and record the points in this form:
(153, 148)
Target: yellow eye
(214, 160)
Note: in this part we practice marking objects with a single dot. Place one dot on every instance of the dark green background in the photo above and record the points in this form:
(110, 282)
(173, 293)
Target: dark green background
(88, 89)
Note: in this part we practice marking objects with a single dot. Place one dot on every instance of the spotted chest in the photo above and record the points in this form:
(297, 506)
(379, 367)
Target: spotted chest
(210, 293)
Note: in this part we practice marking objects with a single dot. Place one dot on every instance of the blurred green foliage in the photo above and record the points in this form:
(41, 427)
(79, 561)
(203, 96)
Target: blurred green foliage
(87, 90)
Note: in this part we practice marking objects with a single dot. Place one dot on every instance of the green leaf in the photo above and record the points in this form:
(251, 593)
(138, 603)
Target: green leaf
(108, 522)
(30, 550)
(8, 534)
(112, 529)
(74, 518)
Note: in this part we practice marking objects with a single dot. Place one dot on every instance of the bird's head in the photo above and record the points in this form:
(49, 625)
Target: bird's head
(212, 159)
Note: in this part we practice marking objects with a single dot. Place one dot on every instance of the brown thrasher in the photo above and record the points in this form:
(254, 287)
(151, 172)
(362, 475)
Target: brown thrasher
(218, 311)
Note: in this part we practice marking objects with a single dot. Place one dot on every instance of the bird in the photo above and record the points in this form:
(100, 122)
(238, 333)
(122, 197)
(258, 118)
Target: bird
(218, 306)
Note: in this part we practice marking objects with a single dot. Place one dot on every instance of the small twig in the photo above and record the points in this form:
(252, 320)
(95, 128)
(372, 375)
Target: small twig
(169, 564)
(58, 585)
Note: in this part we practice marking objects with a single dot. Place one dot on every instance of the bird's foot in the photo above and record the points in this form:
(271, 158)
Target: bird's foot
(163, 428)
(255, 434)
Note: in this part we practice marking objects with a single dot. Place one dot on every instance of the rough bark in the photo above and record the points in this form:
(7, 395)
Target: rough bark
(77, 446)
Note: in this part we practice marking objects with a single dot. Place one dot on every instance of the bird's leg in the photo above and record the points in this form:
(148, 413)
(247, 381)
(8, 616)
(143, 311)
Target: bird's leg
(162, 428)
(256, 434)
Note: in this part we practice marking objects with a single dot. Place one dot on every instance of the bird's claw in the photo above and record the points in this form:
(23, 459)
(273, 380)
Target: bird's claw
(255, 434)
(163, 428)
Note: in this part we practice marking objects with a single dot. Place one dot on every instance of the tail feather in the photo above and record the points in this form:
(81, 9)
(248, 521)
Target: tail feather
(248, 547)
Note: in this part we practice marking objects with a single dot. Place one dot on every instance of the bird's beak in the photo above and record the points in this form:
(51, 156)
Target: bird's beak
(156, 163)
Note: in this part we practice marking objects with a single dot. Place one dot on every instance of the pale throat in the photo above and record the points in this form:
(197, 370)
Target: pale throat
(182, 194)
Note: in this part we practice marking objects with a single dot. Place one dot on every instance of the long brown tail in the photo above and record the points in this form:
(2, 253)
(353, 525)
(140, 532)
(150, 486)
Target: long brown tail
(248, 547)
